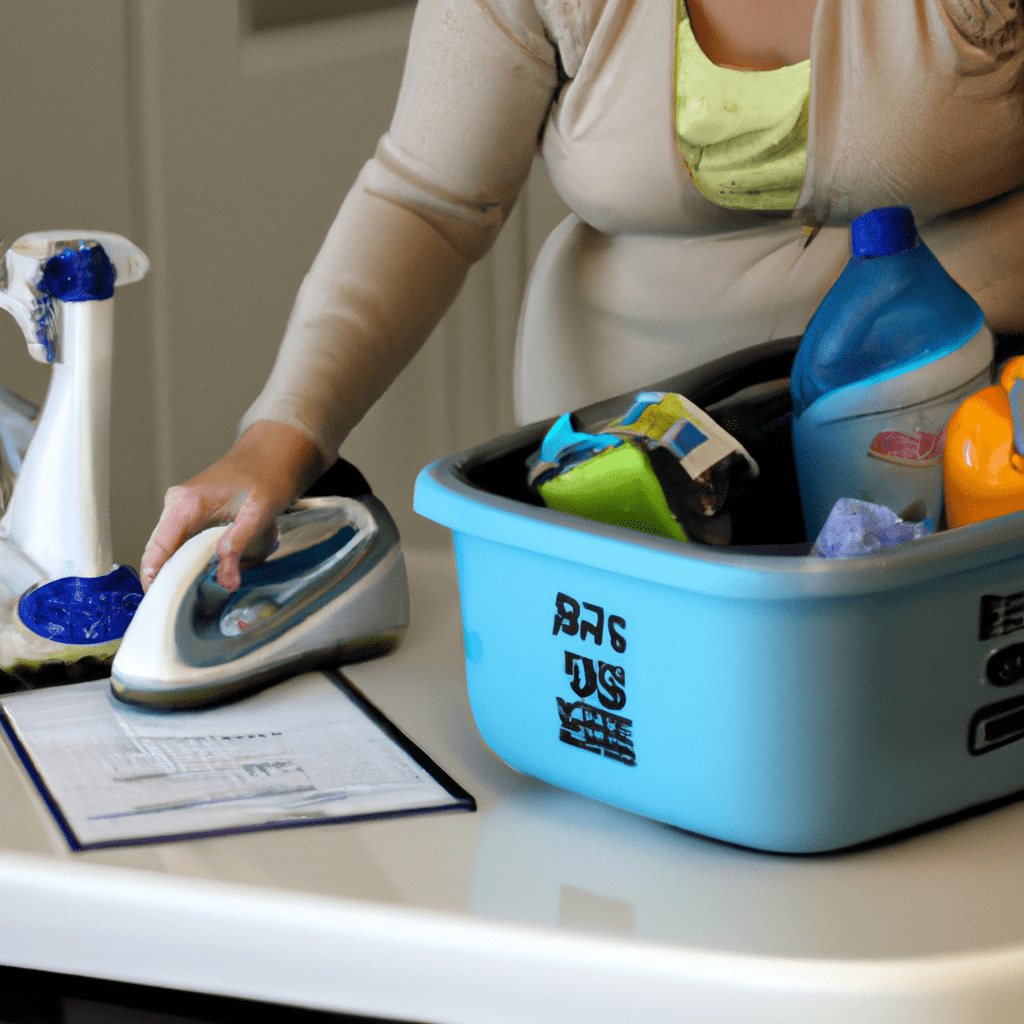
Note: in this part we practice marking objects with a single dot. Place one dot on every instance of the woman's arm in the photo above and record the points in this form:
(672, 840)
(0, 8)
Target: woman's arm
(479, 79)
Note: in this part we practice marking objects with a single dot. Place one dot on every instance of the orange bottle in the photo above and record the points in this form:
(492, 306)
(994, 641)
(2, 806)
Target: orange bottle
(983, 466)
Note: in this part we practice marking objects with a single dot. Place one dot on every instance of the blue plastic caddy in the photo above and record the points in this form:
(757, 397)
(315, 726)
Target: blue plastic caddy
(751, 694)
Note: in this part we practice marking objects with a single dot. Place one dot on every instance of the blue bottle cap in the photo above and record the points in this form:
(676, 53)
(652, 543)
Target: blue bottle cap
(883, 232)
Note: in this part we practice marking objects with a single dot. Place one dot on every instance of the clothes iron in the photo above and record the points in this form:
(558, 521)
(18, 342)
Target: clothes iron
(64, 605)
(333, 590)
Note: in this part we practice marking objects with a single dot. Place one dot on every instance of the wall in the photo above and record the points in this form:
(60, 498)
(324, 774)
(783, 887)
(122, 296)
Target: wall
(67, 159)
(224, 153)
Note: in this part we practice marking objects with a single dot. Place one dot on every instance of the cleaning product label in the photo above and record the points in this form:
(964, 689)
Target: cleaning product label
(680, 426)
(921, 448)
(995, 725)
(591, 722)
(573, 618)
(596, 730)
(665, 467)
(892, 458)
(1000, 615)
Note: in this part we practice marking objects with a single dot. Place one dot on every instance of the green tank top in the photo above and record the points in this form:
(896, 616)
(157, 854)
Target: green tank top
(743, 134)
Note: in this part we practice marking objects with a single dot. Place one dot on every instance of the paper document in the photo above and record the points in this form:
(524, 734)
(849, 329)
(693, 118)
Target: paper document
(307, 750)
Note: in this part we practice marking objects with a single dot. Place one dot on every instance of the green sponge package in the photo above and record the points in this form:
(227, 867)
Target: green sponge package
(665, 467)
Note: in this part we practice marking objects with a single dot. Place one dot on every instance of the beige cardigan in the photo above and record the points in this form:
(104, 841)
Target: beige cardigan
(917, 102)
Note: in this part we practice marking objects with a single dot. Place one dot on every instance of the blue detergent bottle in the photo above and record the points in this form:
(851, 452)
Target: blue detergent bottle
(895, 346)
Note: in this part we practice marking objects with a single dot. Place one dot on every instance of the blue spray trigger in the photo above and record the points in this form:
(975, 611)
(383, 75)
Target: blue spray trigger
(84, 274)
(1017, 414)
(563, 436)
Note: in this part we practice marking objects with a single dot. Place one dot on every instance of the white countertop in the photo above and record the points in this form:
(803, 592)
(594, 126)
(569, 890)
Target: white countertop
(540, 906)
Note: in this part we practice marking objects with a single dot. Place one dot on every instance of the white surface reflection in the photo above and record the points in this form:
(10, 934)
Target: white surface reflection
(553, 859)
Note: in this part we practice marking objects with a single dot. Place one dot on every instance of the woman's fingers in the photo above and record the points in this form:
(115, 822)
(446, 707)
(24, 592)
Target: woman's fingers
(185, 514)
(268, 467)
(250, 538)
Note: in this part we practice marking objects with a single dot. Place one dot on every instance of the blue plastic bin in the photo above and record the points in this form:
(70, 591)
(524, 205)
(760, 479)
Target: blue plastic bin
(782, 703)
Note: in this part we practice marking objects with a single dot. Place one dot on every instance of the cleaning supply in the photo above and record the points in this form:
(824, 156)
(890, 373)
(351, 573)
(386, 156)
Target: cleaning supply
(856, 528)
(895, 346)
(791, 704)
(665, 467)
(64, 604)
(984, 456)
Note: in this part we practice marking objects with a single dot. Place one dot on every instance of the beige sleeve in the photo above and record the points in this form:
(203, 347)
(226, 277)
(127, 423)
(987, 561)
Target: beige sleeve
(982, 249)
(479, 78)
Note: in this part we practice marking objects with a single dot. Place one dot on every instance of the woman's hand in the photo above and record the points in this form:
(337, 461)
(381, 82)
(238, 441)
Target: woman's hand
(269, 466)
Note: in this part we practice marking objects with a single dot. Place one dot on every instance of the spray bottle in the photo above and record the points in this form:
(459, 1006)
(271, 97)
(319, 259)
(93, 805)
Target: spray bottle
(64, 604)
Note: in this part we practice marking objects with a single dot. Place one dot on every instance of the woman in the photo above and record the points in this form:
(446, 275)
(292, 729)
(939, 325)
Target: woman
(713, 155)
